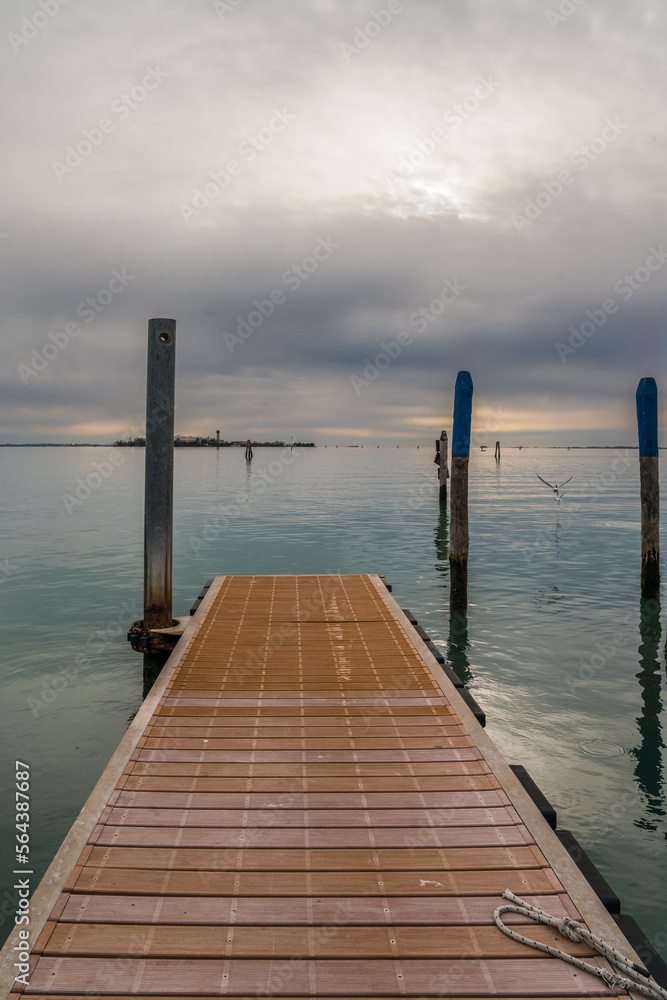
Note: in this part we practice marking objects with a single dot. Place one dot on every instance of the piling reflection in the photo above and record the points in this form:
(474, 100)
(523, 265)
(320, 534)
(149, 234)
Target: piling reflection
(648, 753)
(458, 642)
(442, 543)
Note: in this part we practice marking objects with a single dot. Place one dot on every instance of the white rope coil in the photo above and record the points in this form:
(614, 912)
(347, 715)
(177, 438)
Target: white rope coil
(638, 979)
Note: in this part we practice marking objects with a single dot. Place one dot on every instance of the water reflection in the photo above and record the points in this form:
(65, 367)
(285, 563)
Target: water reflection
(442, 542)
(557, 531)
(547, 597)
(648, 753)
(458, 642)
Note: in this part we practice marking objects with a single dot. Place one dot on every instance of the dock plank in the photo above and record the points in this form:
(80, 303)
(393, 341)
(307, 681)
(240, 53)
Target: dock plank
(350, 977)
(90, 879)
(193, 910)
(312, 940)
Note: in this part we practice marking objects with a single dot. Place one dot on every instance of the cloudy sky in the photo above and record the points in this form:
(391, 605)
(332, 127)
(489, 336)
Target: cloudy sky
(313, 186)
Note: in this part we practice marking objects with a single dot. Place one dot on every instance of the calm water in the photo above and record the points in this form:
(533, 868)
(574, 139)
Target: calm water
(556, 645)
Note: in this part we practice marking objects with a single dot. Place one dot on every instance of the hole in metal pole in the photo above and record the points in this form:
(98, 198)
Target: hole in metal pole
(164, 337)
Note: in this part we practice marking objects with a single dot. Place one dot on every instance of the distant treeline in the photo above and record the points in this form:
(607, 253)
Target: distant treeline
(210, 442)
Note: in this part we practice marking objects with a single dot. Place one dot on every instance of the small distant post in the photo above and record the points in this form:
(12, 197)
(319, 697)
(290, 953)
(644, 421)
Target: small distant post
(497, 451)
(248, 450)
(441, 449)
(459, 539)
(649, 473)
(217, 439)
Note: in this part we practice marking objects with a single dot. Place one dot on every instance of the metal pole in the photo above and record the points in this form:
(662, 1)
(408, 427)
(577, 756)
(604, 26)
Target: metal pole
(159, 489)
(649, 476)
(459, 539)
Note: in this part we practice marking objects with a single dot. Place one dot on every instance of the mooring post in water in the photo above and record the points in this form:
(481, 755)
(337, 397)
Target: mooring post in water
(458, 504)
(217, 439)
(649, 474)
(497, 451)
(159, 488)
(442, 447)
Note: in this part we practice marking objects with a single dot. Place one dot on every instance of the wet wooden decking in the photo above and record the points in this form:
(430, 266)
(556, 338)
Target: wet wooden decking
(305, 806)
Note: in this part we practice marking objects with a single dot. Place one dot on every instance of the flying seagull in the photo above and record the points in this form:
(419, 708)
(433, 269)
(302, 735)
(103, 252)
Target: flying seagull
(556, 488)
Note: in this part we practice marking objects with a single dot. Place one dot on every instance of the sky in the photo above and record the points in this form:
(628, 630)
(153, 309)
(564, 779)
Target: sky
(341, 204)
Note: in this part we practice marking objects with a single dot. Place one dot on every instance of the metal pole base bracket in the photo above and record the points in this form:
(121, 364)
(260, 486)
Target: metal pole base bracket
(156, 640)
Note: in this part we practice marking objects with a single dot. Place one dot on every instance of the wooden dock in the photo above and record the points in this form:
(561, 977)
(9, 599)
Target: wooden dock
(304, 806)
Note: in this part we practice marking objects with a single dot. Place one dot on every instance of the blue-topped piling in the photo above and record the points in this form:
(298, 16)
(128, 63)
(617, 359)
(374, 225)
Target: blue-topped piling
(459, 538)
(649, 475)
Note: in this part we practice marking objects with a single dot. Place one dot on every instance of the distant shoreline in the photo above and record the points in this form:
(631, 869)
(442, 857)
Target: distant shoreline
(310, 444)
(177, 444)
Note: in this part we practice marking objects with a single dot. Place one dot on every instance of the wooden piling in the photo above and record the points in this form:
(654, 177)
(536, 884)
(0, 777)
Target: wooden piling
(459, 539)
(443, 471)
(649, 474)
(497, 455)
(159, 484)
(248, 450)
(217, 439)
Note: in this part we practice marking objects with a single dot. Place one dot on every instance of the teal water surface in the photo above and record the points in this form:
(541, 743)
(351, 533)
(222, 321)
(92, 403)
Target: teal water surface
(559, 650)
